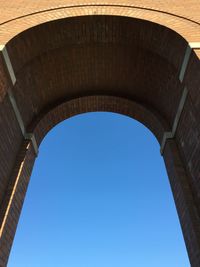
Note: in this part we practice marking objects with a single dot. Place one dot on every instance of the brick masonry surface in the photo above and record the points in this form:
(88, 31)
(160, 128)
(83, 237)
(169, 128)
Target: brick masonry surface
(135, 58)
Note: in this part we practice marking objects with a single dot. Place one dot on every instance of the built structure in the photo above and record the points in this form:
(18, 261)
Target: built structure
(59, 58)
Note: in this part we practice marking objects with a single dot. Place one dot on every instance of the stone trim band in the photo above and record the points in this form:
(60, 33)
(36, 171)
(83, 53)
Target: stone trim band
(27, 136)
(171, 134)
(195, 45)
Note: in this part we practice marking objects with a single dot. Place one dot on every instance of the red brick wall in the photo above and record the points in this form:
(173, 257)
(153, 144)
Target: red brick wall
(66, 63)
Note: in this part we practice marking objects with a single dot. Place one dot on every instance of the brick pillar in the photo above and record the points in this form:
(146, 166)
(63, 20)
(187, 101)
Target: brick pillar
(184, 200)
(13, 199)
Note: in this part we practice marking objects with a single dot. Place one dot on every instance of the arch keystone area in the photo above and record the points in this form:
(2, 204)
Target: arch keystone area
(61, 59)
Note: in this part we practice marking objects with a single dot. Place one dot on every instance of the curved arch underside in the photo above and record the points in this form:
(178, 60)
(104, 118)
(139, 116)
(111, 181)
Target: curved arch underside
(76, 64)
(97, 55)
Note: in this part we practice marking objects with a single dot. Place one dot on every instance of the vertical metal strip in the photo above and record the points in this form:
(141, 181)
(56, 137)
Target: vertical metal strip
(179, 111)
(28, 136)
(8, 63)
(16, 111)
(185, 63)
(168, 135)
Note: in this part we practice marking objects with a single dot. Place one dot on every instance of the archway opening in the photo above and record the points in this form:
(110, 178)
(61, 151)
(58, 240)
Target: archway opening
(99, 196)
(69, 66)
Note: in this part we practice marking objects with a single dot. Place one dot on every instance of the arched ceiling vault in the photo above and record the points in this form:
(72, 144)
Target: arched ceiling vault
(84, 56)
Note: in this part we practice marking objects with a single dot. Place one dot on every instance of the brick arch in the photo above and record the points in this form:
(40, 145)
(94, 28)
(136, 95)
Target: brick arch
(46, 121)
(92, 63)
(181, 22)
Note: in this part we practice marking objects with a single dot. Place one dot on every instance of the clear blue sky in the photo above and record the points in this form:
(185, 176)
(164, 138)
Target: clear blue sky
(99, 196)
